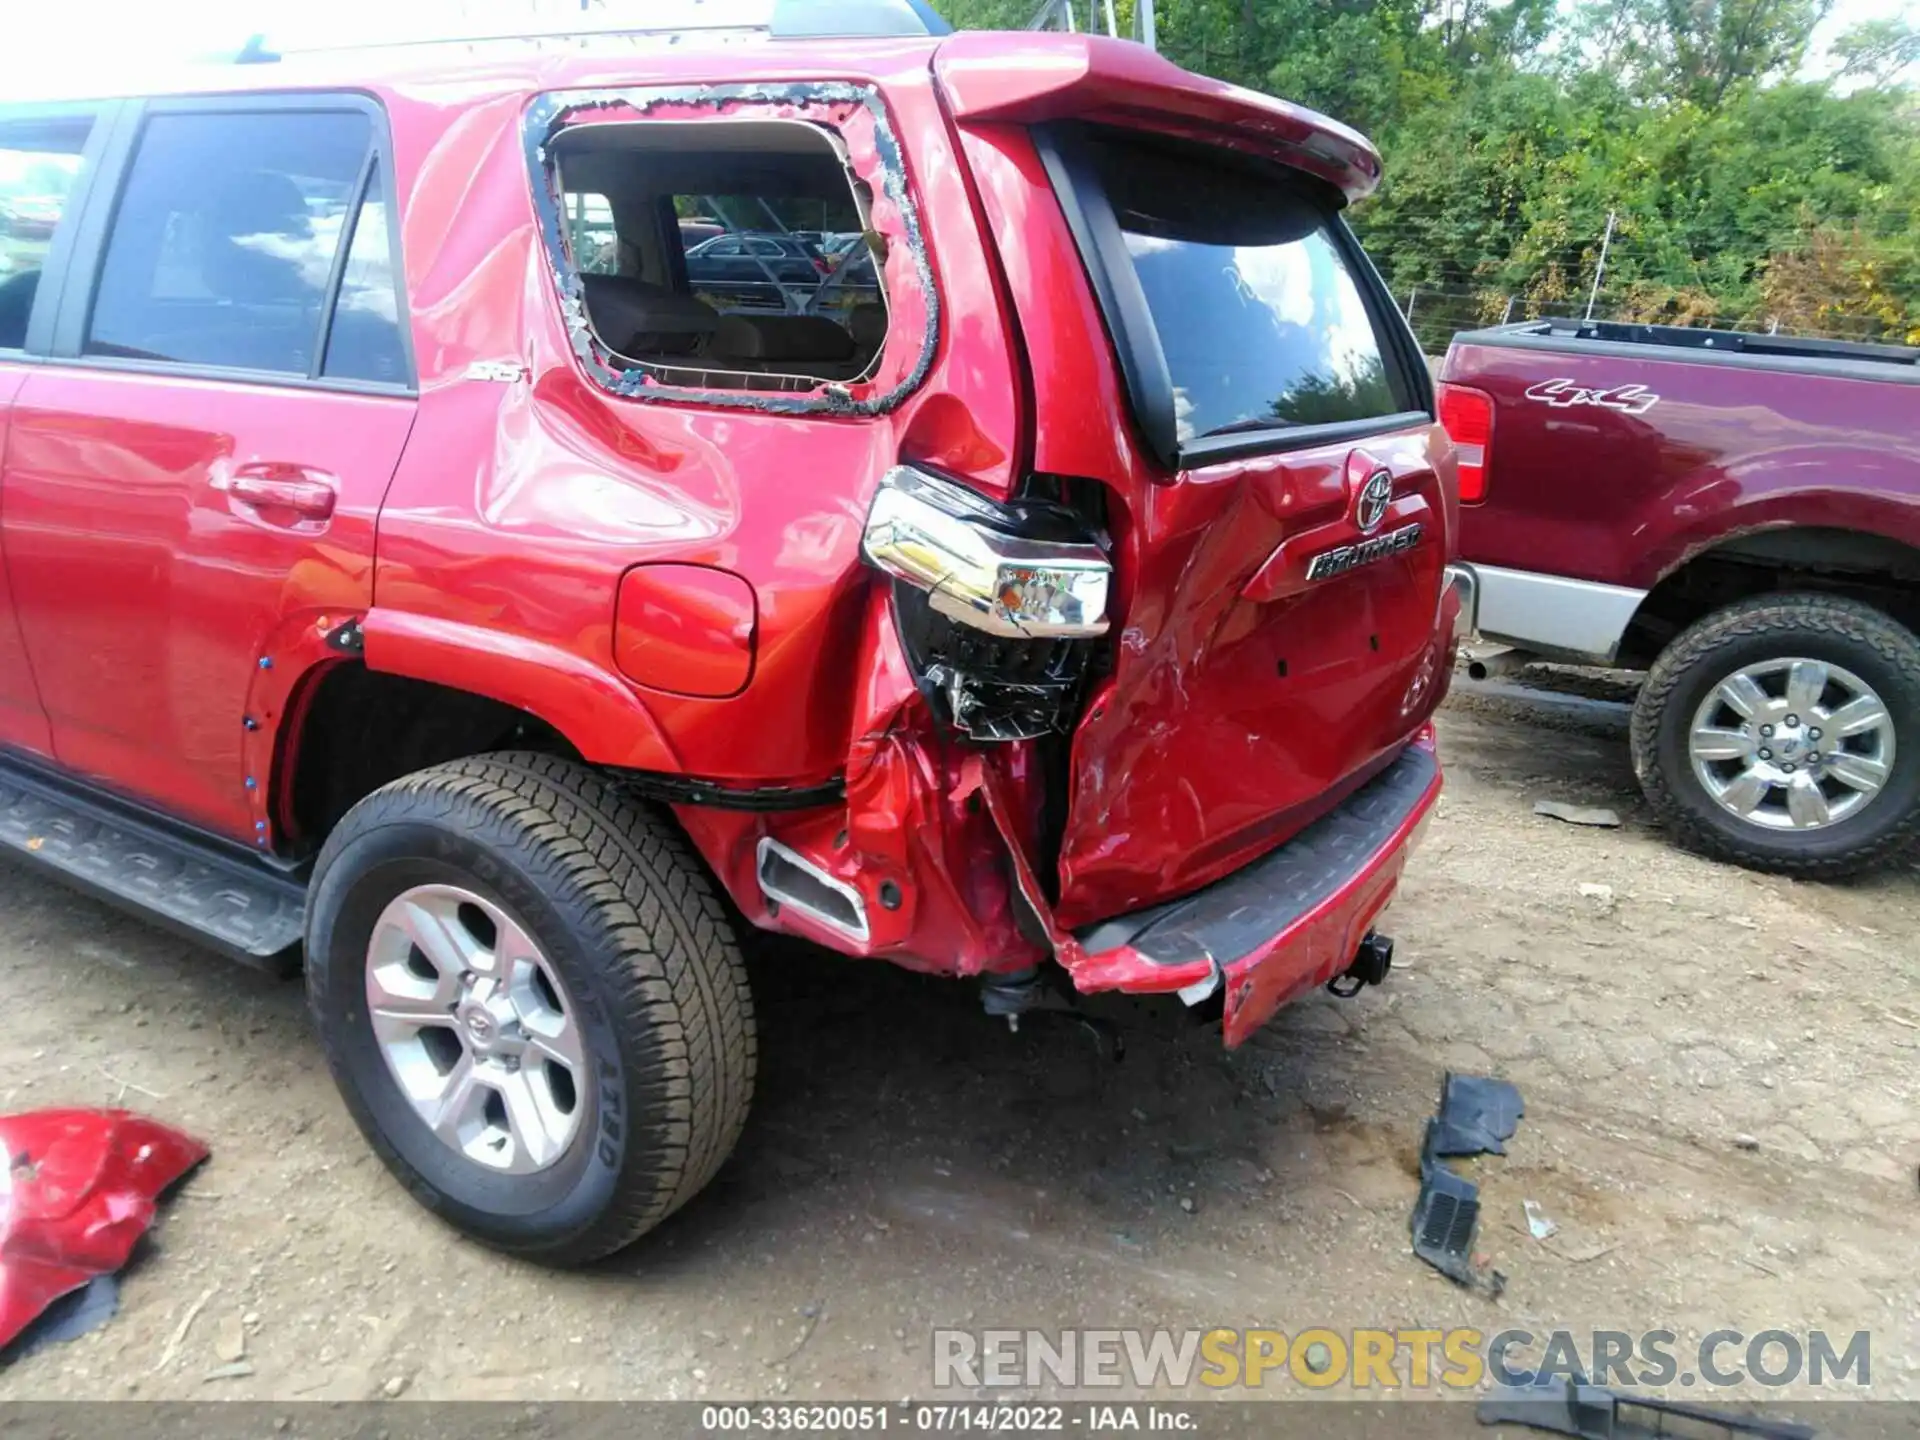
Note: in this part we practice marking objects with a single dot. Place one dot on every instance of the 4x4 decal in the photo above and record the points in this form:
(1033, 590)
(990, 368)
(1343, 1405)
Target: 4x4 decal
(1633, 399)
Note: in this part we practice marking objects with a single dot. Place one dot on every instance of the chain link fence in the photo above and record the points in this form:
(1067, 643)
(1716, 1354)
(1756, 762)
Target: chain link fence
(1822, 286)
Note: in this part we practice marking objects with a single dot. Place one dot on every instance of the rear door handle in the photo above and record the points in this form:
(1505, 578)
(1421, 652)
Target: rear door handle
(310, 494)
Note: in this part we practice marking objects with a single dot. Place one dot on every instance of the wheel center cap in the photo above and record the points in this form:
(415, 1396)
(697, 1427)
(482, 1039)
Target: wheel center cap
(491, 1027)
(480, 1028)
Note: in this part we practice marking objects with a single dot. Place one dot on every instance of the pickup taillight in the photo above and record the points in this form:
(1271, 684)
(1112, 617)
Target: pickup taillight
(1467, 417)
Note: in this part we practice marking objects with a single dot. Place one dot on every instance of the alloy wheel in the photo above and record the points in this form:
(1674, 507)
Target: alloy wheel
(476, 1028)
(1792, 744)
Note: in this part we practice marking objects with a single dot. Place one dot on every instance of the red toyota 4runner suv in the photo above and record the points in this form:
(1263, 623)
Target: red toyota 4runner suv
(1029, 559)
(1740, 515)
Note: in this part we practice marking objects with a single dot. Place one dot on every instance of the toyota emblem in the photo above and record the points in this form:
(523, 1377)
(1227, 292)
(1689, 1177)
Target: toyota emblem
(1370, 505)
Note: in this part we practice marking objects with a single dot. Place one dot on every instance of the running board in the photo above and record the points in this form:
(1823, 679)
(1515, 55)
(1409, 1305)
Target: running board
(194, 884)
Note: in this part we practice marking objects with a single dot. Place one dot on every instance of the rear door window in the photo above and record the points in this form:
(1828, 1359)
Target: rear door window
(364, 340)
(1252, 288)
(226, 243)
(40, 163)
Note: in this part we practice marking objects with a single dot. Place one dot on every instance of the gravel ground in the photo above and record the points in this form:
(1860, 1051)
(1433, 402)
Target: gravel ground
(1719, 1071)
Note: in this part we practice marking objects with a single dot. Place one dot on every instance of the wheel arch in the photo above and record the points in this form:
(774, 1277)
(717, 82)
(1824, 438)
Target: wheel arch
(600, 714)
(1864, 564)
(348, 729)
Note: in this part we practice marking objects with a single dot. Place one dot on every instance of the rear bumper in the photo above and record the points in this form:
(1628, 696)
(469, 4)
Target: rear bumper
(1579, 620)
(1465, 583)
(1288, 922)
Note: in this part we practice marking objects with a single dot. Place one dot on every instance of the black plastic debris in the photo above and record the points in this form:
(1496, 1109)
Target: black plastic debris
(1445, 1218)
(1593, 1412)
(1477, 1116)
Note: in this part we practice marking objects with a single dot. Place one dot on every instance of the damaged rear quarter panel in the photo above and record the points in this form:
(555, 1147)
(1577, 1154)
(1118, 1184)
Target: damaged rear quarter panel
(912, 829)
(521, 501)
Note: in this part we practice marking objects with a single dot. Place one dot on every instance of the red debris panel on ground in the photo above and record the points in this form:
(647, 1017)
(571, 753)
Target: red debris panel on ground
(80, 1189)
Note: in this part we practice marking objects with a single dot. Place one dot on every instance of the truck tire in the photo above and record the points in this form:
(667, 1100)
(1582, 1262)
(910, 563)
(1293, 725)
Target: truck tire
(532, 1001)
(1783, 734)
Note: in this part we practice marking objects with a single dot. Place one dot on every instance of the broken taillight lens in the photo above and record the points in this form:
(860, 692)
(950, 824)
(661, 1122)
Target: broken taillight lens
(999, 605)
(988, 566)
(1467, 417)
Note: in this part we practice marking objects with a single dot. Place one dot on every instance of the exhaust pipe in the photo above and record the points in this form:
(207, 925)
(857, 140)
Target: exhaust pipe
(1498, 662)
(789, 878)
(1371, 962)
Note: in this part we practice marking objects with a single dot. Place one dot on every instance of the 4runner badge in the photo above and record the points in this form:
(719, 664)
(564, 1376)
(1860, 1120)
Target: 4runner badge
(1329, 563)
(1633, 399)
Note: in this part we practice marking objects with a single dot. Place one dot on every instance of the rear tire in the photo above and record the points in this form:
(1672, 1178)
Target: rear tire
(607, 1083)
(1854, 806)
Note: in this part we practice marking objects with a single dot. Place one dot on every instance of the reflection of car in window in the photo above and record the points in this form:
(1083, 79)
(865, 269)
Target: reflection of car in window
(30, 217)
(753, 260)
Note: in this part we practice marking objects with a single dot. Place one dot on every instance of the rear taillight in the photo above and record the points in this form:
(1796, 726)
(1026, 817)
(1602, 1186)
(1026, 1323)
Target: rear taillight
(1467, 417)
(1003, 569)
(1000, 605)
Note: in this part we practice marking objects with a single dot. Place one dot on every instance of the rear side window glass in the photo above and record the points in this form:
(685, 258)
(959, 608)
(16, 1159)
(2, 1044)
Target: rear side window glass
(39, 166)
(736, 287)
(1258, 310)
(225, 237)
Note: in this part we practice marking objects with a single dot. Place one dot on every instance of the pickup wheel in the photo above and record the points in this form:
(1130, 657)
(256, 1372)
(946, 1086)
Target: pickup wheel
(1783, 734)
(533, 1002)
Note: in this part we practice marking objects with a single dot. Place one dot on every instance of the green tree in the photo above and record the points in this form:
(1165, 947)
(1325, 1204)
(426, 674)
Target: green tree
(1878, 50)
(1513, 129)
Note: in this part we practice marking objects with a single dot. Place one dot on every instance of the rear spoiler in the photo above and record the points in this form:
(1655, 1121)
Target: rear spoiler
(1030, 79)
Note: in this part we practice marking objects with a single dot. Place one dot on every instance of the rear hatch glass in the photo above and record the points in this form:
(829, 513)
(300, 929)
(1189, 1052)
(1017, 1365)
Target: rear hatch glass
(1251, 293)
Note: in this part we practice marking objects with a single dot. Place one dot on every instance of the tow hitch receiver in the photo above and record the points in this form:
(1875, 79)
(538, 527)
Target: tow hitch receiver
(1371, 962)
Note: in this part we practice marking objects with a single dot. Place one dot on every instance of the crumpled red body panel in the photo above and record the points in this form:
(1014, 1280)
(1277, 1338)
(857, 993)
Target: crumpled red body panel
(80, 1189)
(928, 865)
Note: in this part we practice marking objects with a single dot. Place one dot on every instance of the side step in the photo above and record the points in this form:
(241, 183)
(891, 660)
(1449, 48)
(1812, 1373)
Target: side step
(194, 884)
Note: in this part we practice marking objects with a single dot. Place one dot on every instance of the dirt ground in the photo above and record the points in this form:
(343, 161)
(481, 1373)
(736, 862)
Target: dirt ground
(1719, 1071)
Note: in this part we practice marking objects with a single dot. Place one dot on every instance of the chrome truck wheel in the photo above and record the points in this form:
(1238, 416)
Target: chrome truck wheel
(1783, 733)
(1792, 744)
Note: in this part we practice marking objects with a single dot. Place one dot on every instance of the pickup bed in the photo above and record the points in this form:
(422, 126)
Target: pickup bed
(1740, 516)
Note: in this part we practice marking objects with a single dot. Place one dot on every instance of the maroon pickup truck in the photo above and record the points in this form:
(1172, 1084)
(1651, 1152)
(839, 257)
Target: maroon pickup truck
(1740, 516)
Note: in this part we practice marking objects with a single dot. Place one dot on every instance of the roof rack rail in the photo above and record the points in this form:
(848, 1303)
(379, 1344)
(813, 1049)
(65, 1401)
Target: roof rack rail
(571, 21)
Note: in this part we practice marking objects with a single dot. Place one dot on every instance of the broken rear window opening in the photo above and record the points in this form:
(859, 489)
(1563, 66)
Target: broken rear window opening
(735, 244)
(1245, 314)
